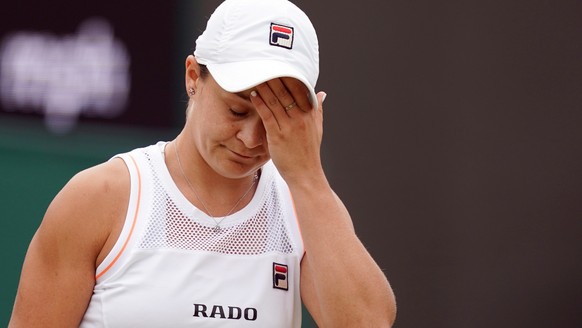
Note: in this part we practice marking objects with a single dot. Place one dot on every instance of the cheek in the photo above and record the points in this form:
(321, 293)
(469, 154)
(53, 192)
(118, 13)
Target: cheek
(217, 128)
(211, 121)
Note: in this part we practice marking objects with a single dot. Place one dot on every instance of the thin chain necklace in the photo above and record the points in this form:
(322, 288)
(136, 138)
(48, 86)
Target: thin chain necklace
(217, 227)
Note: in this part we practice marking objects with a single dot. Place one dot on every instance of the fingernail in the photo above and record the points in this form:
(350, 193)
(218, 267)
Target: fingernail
(323, 98)
(253, 93)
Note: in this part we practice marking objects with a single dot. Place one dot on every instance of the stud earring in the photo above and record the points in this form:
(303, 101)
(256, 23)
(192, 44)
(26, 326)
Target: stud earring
(191, 92)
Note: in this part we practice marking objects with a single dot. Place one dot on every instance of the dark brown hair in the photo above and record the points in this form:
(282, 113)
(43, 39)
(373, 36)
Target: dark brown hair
(204, 72)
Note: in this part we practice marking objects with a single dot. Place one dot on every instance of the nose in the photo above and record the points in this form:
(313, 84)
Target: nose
(252, 133)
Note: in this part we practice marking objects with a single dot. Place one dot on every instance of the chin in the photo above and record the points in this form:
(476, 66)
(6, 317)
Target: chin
(237, 170)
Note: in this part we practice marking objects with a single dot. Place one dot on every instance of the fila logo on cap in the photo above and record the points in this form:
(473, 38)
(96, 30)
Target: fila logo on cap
(280, 276)
(281, 36)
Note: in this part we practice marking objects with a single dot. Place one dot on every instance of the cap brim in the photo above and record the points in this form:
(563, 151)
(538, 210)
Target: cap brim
(241, 76)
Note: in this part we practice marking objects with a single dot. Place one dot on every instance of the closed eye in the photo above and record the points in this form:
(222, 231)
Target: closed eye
(238, 114)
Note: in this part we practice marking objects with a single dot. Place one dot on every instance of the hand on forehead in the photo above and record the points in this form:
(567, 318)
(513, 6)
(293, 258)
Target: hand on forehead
(285, 90)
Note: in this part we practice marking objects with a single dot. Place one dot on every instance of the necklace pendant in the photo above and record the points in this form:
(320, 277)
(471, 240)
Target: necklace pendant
(217, 229)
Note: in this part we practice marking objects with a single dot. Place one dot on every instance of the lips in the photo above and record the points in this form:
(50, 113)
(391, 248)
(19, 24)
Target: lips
(247, 156)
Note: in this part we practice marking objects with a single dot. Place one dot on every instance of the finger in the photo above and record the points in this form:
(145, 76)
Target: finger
(320, 99)
(319, 112)
(282, 93)
(269, 120)
(298, 92)
(272, 102)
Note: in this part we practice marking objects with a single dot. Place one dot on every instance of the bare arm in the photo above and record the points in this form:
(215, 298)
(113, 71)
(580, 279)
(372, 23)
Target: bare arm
(342, 286)
(58, 274)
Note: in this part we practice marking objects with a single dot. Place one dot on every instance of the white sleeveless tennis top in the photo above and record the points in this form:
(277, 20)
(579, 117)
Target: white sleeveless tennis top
(170, 267)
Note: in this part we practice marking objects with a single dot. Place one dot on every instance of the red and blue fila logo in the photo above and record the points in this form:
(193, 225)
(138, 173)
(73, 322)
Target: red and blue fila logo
(280, 276)
(281, 36)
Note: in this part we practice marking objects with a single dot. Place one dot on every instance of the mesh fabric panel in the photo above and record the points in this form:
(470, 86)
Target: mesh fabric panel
(169, 227)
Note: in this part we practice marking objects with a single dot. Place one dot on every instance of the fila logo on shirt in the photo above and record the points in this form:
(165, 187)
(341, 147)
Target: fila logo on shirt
(280, 275)
(281, 36)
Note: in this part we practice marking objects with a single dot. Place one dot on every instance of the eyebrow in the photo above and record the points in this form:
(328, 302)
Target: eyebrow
(242, 95)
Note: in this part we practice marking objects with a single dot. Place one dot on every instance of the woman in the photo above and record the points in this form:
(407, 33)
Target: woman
(231, 224)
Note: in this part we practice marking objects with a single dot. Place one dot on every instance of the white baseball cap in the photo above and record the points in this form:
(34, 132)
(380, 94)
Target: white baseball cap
(248, 42)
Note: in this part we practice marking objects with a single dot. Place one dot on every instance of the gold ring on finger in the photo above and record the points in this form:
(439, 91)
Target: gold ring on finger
(289, 107)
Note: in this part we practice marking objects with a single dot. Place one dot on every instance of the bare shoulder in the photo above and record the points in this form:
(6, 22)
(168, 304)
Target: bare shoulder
(83, 215)
(58, 274)
(91, 194)
(91, 204)
(105, 177)
(100, 184)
